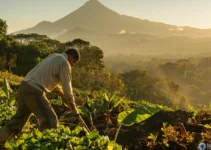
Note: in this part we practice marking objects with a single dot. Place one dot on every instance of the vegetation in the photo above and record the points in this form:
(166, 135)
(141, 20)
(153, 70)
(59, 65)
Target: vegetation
(63, 138)
(159, 107)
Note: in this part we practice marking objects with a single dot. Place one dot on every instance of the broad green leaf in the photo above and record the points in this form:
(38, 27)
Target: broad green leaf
(132, 116)
(153, 109)
(6, 88)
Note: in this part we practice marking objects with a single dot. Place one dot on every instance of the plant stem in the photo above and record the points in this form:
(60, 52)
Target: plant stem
(117, 132)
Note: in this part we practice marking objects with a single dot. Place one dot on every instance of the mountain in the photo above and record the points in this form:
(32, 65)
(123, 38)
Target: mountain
(94, 16)
(103, 27)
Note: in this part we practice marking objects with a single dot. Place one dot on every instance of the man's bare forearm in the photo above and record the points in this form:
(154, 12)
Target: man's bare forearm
(60, 93)
(70, 105)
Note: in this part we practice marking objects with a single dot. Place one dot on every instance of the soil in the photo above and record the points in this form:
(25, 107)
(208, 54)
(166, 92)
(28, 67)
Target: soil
(136, 136)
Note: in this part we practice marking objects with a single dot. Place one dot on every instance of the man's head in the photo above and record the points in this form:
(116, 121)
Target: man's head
(73, 56)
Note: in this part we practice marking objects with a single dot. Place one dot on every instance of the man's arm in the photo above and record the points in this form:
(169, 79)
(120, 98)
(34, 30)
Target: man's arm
(67, 94)
(70, 105)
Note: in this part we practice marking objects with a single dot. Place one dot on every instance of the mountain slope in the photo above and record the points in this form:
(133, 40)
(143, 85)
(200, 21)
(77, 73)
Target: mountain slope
(116, 33)
(94, 16)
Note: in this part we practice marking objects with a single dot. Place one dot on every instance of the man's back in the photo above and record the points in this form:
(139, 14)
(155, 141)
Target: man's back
(46, 73)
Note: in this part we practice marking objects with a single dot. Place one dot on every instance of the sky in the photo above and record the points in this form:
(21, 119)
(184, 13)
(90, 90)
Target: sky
(22, 14)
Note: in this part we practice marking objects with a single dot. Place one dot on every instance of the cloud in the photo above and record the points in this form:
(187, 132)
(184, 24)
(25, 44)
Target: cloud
(60, 33)
(122, 32)
(180, 29)
(176, 29)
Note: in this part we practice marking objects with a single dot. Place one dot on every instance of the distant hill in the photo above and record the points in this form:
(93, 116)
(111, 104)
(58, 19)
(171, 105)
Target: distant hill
(114, 32)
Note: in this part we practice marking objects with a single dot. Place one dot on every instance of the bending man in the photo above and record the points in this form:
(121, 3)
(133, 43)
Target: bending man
(44, 77)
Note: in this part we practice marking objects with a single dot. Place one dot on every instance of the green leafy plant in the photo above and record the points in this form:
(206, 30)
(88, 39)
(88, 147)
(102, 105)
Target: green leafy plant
(63, 138)
(108, 101)
(207, 126)
(6, 113)
(152, 140)
(142, 103)
(6, 94)
(85, 112)
(12, 79)
(100, 101)
(169, 133)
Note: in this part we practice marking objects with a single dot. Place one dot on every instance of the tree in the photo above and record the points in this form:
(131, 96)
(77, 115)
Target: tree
(8, 52)
(137, 82)
(3, 28)
(55, 46)
(116, 84)
(205, 62)
(79, 44)
(29, 56)
(91, 58)
(90, 71)
(140, 85)
(185, 65)
(27, 38)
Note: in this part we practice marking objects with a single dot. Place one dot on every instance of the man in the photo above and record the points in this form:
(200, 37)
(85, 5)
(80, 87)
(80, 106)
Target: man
(44, 77)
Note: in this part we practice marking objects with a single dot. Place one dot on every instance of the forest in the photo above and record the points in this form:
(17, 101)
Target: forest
(127, 102)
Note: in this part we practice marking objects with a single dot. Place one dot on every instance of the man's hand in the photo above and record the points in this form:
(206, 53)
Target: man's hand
(60, 93)
(71, 106)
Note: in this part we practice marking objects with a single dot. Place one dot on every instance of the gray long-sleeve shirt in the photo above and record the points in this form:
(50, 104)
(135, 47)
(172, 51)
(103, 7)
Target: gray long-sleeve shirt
(50, 72)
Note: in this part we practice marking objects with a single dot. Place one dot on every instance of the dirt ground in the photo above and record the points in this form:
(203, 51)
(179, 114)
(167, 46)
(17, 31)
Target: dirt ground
(136, 136)
(183, 131)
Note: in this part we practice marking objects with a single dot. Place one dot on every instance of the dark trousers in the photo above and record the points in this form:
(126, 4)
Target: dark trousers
(30, 100)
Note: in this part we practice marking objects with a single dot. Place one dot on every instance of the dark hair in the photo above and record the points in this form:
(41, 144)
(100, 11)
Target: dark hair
(75, 53)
